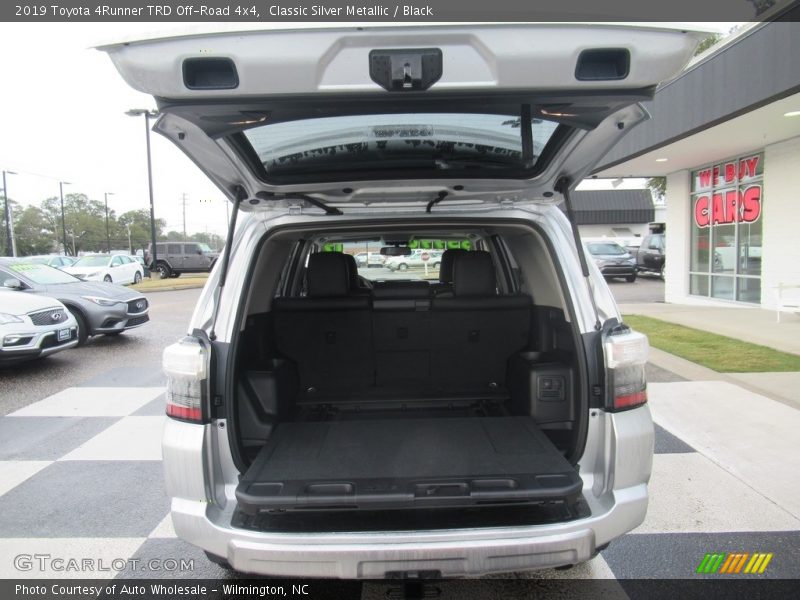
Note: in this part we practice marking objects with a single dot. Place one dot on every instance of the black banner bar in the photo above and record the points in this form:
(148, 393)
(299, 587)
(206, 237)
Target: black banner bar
(393, 11)
(699, 588)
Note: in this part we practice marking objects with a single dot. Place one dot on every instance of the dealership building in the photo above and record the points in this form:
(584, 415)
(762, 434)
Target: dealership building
(726, 135)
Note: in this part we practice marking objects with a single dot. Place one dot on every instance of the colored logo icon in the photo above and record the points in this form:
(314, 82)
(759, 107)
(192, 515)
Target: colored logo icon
(734, 563)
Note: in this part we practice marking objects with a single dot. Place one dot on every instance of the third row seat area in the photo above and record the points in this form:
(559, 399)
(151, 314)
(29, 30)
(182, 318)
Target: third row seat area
(405, 338)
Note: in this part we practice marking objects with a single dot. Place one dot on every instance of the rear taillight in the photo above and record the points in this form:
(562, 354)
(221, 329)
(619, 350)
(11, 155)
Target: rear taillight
(626, 355)
(186, 367)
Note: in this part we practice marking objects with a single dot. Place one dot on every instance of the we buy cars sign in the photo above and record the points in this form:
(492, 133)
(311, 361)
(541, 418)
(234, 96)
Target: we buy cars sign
(738, 204)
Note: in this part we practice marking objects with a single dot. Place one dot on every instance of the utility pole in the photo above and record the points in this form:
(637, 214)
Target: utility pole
(108, 237)
(184, 215)
(149, 114)
(10, 245)
(61, 185)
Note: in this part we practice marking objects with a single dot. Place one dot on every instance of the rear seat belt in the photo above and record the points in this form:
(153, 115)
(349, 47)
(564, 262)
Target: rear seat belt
(562, 186)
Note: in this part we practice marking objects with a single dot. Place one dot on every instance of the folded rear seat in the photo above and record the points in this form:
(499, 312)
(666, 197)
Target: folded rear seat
(475, 331)
(401, 325)
(328, 333)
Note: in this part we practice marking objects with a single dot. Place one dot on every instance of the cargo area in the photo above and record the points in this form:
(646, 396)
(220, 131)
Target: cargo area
(453, 392)
(406, 463)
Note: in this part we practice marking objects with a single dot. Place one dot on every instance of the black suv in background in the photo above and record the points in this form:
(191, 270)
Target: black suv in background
(175, 258)
(652, 254)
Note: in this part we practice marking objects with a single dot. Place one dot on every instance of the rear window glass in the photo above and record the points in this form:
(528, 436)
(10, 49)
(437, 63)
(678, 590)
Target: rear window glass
(421, 141)
(422, 263)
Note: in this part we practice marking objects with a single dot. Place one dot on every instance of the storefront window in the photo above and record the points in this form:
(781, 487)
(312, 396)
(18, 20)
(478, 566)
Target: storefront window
(727, 203)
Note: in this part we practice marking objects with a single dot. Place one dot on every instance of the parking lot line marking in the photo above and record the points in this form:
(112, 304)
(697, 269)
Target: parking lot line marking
(14, 472)
(91, 402)
(130, 438)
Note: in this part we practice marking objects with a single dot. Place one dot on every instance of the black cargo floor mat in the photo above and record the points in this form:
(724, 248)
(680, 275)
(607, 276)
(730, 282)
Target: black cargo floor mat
(406, 463)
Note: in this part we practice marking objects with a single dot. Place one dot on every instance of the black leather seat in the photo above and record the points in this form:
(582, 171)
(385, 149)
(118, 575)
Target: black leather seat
(328, 333)
(445, 284)
(475, 331)
(356, 285)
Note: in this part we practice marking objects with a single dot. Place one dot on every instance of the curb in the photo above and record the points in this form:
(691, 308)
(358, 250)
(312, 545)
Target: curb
(694, 372)
(172, 288)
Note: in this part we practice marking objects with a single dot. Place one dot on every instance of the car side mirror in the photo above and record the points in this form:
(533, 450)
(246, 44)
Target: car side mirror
(13, 284)
(200, 252)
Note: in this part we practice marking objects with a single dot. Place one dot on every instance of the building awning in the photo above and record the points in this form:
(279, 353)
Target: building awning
(609, 207)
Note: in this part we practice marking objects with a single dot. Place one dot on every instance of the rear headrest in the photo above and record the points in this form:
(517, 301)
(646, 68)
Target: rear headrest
(352, 270)
(327, 275)
(446, 264)
(473, 275)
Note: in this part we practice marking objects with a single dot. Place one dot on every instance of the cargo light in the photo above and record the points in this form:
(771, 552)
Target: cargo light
(186, 367)
(626, 354)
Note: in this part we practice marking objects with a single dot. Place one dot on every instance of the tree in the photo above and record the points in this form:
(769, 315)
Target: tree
(707, 43)
(657, 186)
(762, 6)
(134, 227)
(32, 232)
(84, 222)
(212, 239)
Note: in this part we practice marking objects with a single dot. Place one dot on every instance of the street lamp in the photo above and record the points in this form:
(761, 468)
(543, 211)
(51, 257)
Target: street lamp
(61, 185)
(148, 114)
(10, 249)
(108, 236)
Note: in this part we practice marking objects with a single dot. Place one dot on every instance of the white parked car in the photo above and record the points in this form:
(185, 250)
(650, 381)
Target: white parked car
(110, 268)
(33, 326)
(370, 259)
(492, 421)
(416, 260)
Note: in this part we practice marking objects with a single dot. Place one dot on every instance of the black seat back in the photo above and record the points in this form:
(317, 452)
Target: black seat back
(476, 331)
(401, 324)
(445, 284)
(328, 334)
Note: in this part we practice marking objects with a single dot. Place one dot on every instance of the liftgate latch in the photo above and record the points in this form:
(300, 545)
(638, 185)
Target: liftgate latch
(411, 69)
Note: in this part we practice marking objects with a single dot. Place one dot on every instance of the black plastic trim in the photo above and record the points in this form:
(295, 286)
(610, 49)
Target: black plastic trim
(603, 64)
(210, 73)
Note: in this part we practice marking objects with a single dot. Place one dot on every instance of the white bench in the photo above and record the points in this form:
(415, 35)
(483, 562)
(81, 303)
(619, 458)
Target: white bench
(788, 297)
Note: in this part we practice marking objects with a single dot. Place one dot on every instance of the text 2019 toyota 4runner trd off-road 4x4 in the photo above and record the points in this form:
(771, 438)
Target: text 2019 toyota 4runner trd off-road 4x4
(491, 419)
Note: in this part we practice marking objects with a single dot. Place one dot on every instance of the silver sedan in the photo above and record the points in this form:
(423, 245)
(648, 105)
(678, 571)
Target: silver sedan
(98, 307)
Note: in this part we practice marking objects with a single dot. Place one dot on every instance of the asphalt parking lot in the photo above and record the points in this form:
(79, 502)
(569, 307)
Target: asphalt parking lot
(80, 470)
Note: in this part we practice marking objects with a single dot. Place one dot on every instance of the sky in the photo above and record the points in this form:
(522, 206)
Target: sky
(62, 118)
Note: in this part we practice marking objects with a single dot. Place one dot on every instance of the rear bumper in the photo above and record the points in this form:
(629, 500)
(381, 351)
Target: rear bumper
(618, 271)
(618, 504)
(448, 553)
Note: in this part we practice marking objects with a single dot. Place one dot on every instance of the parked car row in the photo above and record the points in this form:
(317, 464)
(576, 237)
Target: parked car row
(112, 268)
(44, 309)
(617, 260)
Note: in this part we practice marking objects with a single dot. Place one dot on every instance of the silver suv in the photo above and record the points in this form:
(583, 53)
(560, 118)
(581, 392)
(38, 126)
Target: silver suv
(327, 422)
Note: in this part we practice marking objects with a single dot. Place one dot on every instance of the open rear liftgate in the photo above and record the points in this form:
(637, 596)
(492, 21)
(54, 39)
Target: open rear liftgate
(406, 464)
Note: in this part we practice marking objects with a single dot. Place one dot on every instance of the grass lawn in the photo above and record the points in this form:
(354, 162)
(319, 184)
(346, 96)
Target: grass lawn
(155, 284)
(716, 352)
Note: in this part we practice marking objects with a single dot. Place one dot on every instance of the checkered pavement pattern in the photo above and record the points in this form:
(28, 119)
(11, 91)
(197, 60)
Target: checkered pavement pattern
(81, 476)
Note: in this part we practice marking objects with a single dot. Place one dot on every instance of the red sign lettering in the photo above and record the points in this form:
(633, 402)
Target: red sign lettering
(732, 207)
(701, 211)
(705, 178)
